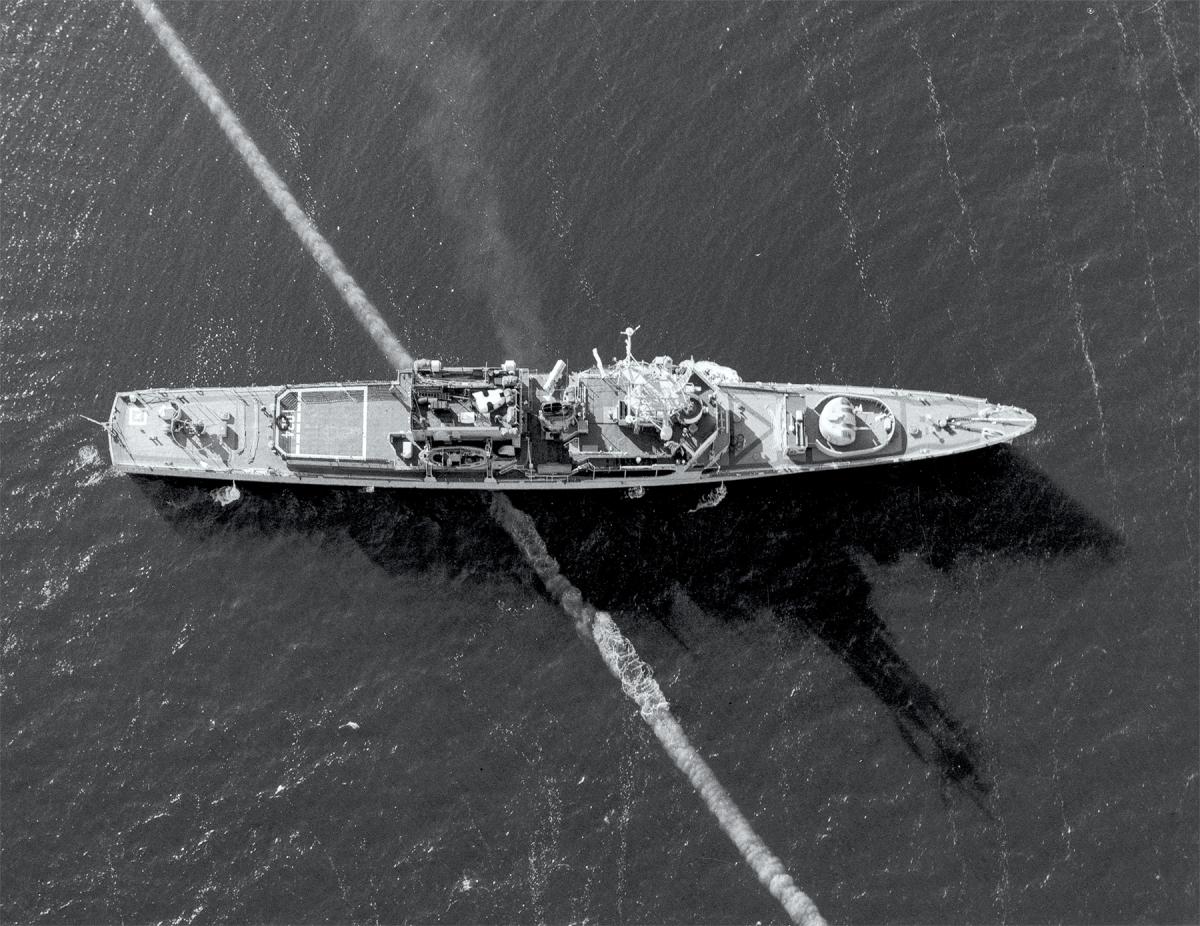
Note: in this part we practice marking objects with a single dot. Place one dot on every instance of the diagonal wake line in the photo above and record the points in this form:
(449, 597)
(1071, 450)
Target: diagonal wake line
(637, 681)
(618, 653)
(304, 227)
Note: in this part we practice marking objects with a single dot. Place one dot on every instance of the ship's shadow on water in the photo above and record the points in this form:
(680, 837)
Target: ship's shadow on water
(794, 547)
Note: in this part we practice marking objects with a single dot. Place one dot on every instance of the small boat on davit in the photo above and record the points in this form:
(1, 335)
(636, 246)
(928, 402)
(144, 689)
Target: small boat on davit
(629, 424)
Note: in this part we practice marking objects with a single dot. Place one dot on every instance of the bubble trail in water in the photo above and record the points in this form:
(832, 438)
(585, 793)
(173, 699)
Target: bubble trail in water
(618, 653)
(637, 681)
(273, 185)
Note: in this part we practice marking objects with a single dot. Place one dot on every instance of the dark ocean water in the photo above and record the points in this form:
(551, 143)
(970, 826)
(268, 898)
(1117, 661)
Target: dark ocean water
(962, 692)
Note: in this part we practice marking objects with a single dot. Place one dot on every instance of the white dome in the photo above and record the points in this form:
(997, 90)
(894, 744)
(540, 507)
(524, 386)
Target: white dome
(838, 423)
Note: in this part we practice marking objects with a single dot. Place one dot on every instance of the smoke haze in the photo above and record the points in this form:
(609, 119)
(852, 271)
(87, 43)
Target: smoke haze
(452, 136)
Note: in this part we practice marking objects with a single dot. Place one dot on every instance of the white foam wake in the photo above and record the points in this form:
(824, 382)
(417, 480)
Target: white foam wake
(618, 653)
(639, 685)
(273, 185)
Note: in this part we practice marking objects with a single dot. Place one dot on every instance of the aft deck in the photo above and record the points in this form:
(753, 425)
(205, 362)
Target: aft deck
(220, 430)
(350, 422)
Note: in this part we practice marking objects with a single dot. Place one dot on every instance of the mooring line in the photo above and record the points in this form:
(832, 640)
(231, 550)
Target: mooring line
(304, 227)
(637, 681)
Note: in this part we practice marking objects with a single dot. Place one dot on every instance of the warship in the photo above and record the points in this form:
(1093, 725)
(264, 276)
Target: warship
(628, 424)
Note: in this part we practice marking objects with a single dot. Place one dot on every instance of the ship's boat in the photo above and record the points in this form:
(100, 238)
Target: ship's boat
(627, 424)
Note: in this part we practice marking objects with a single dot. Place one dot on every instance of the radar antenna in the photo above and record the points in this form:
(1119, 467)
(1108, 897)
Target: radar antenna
(629, 333)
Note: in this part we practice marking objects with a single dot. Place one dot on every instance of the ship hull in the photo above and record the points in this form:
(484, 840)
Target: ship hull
(406, 434)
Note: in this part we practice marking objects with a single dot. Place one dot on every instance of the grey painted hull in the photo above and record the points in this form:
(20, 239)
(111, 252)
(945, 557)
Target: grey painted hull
(378, 434)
